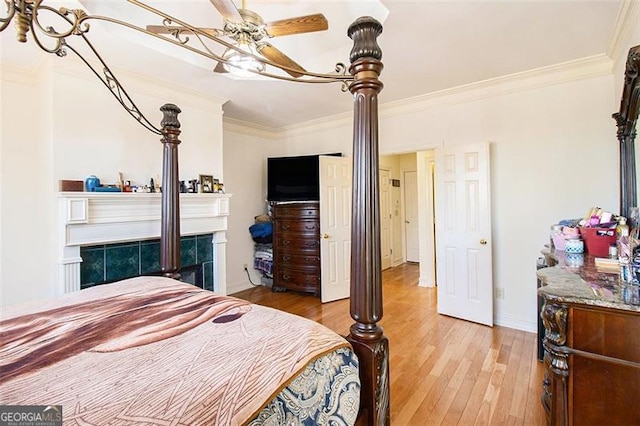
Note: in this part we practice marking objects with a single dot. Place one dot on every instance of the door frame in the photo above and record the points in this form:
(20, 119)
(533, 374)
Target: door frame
(425, 161)
(404, 215)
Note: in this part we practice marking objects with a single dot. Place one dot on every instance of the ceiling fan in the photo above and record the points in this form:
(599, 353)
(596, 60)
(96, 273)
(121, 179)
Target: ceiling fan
(249, 31)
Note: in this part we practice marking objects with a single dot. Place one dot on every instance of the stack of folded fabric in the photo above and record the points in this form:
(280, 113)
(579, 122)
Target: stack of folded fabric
(263, 258)
(262, 234)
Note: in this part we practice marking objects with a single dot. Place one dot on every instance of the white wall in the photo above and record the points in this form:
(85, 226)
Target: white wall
(553, 156)
(59, 124)
(245, 170)
(26, 172)
(101, 130)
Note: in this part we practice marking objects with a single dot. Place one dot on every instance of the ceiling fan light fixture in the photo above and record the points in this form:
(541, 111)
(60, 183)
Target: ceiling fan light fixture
(242, 64)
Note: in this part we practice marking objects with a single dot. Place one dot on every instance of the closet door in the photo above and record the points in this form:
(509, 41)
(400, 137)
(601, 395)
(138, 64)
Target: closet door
(335, 227)
(463, 232)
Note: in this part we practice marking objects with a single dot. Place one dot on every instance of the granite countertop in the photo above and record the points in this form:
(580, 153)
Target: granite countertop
(579, 282)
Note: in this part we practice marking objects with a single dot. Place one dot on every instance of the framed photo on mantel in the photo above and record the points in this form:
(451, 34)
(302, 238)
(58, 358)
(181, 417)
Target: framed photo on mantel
(206, 183)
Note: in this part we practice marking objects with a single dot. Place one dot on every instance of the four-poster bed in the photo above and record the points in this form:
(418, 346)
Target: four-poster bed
(135, 300)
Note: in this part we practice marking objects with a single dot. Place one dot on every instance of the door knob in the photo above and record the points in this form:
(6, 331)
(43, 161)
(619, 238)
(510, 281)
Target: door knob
(325, 236)
(406, 221)
(483, 242)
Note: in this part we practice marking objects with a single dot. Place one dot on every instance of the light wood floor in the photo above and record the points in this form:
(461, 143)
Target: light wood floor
(443, 370)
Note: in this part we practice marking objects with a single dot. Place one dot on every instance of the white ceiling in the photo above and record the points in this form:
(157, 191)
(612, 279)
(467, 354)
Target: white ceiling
(427, 46)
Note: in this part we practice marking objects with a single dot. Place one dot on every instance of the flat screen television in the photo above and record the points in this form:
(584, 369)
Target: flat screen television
(294, 178)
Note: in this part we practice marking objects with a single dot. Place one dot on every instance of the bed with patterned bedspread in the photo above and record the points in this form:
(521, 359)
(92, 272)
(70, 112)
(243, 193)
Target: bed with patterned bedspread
(160, 352)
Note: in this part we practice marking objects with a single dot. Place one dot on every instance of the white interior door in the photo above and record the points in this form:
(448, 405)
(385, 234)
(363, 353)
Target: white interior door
(385, 219)
(335, 227)
(463, 233)
(411, 216)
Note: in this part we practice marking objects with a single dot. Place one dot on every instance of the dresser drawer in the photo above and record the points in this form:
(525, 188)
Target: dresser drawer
(292, 242)
(303, 226)
(297, 260)
(296, 211)
(297, 280)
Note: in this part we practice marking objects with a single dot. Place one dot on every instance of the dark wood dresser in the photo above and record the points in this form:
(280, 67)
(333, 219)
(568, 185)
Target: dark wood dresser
(296, 247)
(591, 346)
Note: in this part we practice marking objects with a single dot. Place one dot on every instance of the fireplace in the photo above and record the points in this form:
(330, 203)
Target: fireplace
(95, 226)
(106, 263)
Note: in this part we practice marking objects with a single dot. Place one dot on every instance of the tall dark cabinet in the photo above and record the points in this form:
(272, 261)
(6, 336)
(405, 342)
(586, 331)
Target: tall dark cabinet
(296, 246)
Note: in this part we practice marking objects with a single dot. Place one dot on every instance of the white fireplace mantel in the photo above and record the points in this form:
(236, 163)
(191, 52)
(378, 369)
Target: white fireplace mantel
(92, 218)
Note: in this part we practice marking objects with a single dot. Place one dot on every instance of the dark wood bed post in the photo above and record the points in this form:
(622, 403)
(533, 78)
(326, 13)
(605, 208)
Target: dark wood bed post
(626, 120)
(366, 336)
(170, 217)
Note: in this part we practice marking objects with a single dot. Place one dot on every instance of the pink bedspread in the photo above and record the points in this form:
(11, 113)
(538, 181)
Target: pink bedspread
(156, 351)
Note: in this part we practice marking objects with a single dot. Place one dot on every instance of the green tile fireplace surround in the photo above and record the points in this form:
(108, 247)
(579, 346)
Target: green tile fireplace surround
(111, 262)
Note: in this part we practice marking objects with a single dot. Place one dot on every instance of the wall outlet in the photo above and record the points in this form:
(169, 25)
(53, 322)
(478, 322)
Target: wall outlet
(499, 293)
(245, 266)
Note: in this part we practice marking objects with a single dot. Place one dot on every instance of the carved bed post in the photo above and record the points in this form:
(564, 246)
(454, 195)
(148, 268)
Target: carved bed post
(366, 336)
(170, 217)
(626, 120)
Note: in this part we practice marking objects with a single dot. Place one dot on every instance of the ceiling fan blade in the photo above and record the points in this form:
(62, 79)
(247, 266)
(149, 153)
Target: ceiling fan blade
(227, 9)
(299, 25)
(275, 55)
(220, 68)
(161, 29)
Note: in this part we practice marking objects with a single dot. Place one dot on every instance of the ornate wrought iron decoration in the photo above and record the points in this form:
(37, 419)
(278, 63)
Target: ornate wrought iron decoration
(75, 24)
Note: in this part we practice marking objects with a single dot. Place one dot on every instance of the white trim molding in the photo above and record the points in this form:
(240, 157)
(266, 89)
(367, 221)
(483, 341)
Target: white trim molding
(92, 218)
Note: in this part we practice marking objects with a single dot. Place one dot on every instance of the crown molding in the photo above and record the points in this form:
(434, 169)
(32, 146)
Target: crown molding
(142, 83)
(276, 133)
(320, 124)
(24, 75)
(73, 67)
(593, 66)
(250, 129)
(626, 22)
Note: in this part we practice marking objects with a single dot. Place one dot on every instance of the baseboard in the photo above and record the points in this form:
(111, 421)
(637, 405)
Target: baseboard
(425, 282)
(233, 288)
(516, 323)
